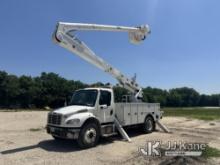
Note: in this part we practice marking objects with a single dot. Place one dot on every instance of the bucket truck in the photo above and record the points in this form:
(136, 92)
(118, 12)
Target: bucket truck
(92, 112)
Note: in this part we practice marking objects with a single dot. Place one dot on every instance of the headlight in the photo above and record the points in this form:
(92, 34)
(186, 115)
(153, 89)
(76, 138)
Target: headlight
(73, 122)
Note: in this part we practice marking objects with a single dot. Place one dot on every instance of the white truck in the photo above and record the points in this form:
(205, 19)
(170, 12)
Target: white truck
(92, 112)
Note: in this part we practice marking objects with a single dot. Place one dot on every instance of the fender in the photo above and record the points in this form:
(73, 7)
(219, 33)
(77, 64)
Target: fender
(83, 117)
(151, 115)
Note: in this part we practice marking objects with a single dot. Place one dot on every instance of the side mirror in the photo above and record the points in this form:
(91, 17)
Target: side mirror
(65, 103)
(103, 106)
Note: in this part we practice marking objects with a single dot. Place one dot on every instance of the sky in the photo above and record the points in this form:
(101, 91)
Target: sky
(183, 48)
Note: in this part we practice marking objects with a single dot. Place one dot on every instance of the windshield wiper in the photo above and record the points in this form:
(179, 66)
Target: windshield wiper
(90, 105)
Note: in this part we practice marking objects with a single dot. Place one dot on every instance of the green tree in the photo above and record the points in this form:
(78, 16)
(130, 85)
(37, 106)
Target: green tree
(153, 95)
(184, 97)
(50, 89)
(174, 99)
(27, 91)
(119, 92)
(3, 92)
(10, 91)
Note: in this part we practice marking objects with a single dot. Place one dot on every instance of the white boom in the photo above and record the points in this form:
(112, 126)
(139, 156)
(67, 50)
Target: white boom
(64, 36)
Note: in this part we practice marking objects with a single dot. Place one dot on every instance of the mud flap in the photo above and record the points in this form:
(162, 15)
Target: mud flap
(163, 127)
(121, 130)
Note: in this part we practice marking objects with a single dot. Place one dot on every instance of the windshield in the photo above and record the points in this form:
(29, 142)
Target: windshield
(84, 97)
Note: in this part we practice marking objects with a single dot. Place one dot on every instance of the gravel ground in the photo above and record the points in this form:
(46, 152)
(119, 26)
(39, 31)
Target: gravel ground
(24, 141)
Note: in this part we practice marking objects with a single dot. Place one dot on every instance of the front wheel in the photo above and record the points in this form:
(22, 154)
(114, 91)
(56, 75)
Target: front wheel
(89, 136)
(149, 125)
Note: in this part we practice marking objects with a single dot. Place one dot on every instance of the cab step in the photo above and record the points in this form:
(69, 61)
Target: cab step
(110, 134)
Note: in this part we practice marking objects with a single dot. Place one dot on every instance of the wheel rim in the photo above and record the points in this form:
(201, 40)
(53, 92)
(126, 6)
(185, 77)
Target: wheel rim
(149, 124)
(90, 135)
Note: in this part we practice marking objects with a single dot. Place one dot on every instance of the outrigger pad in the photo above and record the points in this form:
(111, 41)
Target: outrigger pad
(121, 130)
(163, 127)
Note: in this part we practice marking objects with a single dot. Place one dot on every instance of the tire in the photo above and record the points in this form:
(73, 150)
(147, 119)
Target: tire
(149, 125)
(89, 136)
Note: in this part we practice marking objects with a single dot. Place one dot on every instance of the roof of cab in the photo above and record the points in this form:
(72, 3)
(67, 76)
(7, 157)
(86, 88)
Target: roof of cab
(99, 88)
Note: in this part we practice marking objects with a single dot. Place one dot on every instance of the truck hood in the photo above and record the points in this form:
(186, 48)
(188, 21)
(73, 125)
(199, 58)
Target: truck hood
(73, 109)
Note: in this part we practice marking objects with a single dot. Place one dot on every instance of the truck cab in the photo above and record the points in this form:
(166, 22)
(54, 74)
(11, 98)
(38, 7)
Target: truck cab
(99, 100)
(89, 105)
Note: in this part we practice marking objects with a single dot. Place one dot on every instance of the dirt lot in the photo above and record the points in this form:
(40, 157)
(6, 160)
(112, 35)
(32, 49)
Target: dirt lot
(24, 141)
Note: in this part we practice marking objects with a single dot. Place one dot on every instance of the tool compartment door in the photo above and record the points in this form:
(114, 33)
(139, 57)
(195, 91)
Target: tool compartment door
(141, 112)
(134, 113)
(127, 114)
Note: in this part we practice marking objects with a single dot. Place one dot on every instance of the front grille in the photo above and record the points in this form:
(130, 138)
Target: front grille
(54, 118)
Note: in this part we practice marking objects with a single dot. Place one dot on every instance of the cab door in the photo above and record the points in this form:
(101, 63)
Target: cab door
(106, 112)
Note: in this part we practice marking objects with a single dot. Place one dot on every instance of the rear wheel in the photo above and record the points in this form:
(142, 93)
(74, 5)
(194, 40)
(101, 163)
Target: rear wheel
(149, 125)
(89, 136)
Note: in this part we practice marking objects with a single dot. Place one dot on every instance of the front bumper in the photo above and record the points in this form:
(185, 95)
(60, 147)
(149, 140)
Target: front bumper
(63, 132)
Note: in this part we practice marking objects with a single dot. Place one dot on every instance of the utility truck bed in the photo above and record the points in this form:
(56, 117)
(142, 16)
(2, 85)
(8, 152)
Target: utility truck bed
(135, 113)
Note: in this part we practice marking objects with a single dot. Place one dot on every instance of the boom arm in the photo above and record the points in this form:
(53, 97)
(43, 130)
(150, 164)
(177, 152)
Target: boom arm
(64, 37)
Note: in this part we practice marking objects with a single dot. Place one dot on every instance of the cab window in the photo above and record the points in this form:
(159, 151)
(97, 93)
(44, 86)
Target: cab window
(105, 98)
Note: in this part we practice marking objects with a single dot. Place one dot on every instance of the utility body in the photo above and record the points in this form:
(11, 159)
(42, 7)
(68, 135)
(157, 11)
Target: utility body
(92, 112)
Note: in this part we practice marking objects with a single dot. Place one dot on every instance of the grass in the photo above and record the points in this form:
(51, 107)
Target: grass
(196, 113)
(210, 152)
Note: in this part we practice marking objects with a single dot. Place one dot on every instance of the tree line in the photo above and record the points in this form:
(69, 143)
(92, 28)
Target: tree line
(50, 89)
